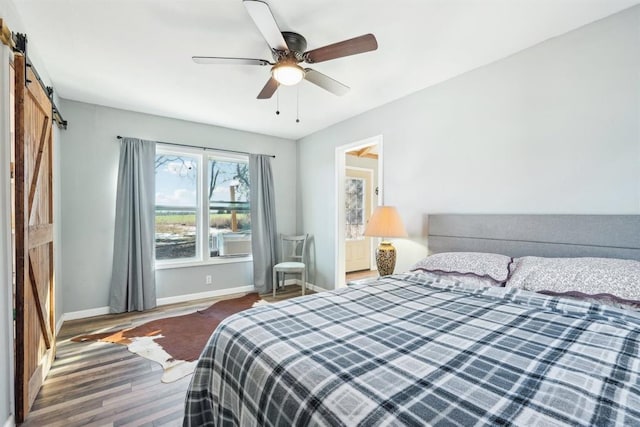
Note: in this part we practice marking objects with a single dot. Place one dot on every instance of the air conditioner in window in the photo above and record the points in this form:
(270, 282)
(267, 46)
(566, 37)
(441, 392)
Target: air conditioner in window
(234, 244)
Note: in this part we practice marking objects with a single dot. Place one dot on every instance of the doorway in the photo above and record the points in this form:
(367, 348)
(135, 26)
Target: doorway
(358, 192)
(359, 195)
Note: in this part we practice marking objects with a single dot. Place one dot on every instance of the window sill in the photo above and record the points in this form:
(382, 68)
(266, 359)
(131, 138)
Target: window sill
(211, 261)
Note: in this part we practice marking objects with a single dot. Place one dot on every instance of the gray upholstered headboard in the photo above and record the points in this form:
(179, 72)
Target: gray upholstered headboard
(609, 236)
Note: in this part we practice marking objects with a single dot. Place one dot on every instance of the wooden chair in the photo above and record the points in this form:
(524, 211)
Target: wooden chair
(293, 250)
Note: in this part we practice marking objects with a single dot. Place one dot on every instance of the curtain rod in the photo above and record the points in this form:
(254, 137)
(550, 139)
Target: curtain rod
(207, 148)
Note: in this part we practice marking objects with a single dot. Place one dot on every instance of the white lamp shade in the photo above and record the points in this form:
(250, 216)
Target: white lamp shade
(287, 74)
(385, 222)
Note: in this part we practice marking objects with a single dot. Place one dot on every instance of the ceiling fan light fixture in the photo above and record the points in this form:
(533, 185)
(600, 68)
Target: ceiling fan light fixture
(287, 73)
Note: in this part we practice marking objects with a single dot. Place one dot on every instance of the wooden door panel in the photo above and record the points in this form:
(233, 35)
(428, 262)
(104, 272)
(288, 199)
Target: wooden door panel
(35, 316)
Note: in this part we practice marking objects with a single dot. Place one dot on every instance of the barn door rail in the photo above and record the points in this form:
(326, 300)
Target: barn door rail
(20, 46)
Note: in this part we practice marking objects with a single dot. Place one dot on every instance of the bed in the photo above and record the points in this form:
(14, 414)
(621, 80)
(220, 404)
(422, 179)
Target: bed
(433, 347)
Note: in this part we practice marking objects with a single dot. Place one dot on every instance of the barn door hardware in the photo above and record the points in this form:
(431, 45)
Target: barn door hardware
(20, 42)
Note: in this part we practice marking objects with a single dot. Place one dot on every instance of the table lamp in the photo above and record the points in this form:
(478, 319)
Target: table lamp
(385, 222)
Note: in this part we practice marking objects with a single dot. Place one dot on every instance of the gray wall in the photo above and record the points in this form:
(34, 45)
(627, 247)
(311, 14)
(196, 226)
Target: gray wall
(552, 129)
(89, 161)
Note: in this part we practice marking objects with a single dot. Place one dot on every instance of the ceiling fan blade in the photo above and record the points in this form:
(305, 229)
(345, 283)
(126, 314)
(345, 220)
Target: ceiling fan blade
(266, 23)
(325, 82)
(349, 47)
(228, 61)
(269, 89)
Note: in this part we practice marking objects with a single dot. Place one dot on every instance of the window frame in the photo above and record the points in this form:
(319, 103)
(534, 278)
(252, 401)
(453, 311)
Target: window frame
(203, 256)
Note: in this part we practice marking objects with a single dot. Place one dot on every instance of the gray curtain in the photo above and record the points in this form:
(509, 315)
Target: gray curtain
(133, 283)
(263, 221)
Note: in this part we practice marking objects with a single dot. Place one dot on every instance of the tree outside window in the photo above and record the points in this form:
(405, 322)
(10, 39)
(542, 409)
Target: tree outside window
(188, 230)
(176, 206)
(229, 209)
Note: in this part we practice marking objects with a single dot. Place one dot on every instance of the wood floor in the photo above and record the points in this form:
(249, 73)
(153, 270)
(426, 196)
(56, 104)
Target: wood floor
(101, 384)
(362, 274)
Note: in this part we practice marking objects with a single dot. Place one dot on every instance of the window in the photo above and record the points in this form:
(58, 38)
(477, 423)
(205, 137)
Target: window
(188, 230)
(354, 206)
(229, 212)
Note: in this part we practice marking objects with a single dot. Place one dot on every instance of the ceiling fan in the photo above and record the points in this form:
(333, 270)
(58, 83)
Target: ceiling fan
(289, 50)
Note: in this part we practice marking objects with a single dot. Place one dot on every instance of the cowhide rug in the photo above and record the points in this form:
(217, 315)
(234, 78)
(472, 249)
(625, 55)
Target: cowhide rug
(176, 342)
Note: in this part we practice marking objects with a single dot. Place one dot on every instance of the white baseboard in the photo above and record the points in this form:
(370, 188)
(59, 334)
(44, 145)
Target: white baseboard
(83, 314)
(311, 286)
(10, 422)
(291, 282)
(59, 324)
(317, 288)
(202, 295)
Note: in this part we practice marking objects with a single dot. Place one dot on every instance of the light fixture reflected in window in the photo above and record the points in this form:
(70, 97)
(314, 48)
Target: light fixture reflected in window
(287, 73)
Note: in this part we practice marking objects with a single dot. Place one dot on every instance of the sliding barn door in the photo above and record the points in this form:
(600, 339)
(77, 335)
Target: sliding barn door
(35, 321)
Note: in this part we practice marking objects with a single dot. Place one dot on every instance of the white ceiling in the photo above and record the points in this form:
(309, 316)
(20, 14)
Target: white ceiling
(136, 54)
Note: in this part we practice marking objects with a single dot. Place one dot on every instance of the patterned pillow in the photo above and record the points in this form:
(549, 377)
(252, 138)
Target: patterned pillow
(616, 280)
(493, 268)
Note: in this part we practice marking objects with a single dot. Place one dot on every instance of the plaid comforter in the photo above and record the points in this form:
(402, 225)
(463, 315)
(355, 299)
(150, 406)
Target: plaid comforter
(415, 349)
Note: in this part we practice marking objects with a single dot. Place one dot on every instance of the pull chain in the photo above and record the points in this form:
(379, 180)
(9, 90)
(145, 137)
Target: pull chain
(277, 102)
(298, 104)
